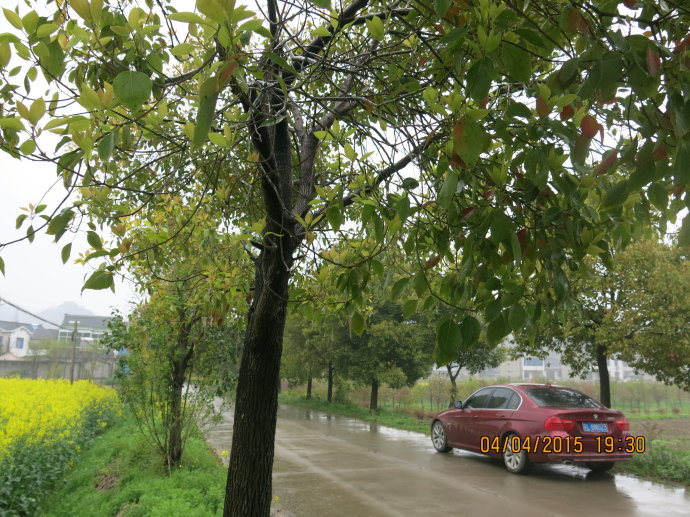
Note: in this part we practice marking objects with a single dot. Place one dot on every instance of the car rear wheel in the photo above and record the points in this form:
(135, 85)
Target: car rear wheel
(438, 437)
(600, 466)
(515, 461)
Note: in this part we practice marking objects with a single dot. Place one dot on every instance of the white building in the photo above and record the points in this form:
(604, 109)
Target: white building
(15, 338)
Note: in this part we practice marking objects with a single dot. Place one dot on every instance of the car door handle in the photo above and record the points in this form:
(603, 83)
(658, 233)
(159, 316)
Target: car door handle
(475, 416)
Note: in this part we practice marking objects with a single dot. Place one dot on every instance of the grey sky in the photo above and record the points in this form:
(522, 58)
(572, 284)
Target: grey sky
(35, 276)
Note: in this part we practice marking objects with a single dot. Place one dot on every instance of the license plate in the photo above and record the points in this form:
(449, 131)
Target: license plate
(595, 427)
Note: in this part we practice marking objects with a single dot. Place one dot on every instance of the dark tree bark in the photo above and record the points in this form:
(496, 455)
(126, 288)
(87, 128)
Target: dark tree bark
(309, 384)
(374, 399)
(453, 383)
(330, 382)
(604, 379)
(180, 360)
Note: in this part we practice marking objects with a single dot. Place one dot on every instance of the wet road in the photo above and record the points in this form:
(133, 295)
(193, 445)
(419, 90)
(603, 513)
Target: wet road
(336, 466)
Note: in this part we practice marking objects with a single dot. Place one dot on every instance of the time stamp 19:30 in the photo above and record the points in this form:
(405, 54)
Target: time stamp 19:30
(562, 444)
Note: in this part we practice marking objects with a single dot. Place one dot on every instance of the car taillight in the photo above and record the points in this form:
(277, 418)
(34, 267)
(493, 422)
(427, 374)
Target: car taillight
(556, 423)
(623, 424)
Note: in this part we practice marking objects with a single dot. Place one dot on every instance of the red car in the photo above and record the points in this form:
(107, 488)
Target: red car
(536, 423)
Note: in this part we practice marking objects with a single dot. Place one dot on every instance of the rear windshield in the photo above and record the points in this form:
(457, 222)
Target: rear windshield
(561, 397)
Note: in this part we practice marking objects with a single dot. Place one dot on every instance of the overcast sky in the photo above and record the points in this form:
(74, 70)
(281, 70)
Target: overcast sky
(35, 277)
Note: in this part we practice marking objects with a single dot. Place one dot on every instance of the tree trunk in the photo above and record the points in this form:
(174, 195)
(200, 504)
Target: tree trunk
(330, 382)
(453, 384)
(174, 448)
(604, 381)
(309, 382)
(248, 489)
(374, 400)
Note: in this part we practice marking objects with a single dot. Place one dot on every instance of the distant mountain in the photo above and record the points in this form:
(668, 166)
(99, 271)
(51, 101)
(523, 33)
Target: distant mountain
(57, 314)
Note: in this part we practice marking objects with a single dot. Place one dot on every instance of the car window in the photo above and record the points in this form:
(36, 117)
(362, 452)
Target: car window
(514, 401)
(561, 397)
(479, 399)
(500, 398)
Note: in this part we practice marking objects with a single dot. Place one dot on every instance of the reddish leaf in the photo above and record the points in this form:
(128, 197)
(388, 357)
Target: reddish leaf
(630, 4)
(467, 212)
(542, 107)
(574, 19)
(589, 126)
(607, 162)
(488, 193)
(432, 261)
(660, 152)
(682, 45)
(522, 238)
(653, 62)
(567, 112)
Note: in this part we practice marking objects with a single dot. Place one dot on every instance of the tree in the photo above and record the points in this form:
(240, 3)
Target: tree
(475, 360)
(394, 349)
(637, 312)
(311, 117)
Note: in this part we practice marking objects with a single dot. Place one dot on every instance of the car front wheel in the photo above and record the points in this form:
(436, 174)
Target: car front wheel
(515, 460)
(438, 437)
(600, 466)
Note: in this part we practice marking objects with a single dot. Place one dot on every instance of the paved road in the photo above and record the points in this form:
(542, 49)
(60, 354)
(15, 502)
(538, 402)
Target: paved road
(331, 466)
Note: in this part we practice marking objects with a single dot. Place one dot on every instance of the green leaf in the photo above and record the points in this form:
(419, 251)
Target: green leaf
(658, 196)
(496, 330)
(204, 118)
(58, 224)
(479, 78)
(357, 323)
(375, 27)
(409, 308)
(335, 217)
(46, 30)
(445, 196)
(323, 4)
(217, 139)
(182, 49)
(471, 330)
(251, 25)
(561, 284)
(100, 279)
(106, 146)
(12, 123)
(2, 266)
(517, 316)
(13, 18)
(212, 9)
(321, 31)
(66, 250)
(399, 287)
(419, 283)
(441, 7)
(681, 162)
(37, 110)
(20, 219)
(93, 239)
(448, 341)
(517, 63)
(616, 195)
(185, 17)
(132, 88)
(28, 147)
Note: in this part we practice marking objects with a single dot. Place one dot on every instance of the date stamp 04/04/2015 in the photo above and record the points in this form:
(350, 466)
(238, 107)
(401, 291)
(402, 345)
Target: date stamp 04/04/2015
(562, 444)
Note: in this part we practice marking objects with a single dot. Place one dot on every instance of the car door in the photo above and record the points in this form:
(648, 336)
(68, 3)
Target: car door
(491, 421)
(464, 421)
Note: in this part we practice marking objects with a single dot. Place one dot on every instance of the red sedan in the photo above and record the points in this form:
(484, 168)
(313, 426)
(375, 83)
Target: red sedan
(536, 423)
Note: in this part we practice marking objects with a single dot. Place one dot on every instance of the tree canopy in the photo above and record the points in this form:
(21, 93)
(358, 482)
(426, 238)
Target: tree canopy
(498, 143)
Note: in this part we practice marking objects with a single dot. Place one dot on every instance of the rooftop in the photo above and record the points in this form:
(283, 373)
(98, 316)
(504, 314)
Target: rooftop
(85, 321)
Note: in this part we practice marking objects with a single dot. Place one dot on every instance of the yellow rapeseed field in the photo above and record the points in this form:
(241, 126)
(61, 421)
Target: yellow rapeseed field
(47, 411)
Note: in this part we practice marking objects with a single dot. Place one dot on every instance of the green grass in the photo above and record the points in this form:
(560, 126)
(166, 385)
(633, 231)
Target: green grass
(660, 462)
(381, 416)
(121, 474)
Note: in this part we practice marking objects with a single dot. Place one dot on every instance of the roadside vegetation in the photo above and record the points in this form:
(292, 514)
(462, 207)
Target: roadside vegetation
(44, 424)
(121, 474)
(658, 412)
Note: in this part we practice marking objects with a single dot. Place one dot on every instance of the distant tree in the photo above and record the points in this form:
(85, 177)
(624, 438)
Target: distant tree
(474, 360)
(638, 311)
(393, 349)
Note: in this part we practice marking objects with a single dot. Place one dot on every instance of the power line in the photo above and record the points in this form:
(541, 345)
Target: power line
(58, 325)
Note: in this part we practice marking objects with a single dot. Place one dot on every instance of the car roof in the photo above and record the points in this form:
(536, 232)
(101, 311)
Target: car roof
(527, 385)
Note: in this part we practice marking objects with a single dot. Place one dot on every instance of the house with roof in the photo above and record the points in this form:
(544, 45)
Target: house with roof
(15, 338)
(90, 329)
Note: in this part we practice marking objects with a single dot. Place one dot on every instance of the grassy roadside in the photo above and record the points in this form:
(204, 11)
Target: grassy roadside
(119, 474)
(381, 416)
(664, 460)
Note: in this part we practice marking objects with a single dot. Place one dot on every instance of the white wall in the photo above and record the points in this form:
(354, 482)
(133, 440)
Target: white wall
(20, 333)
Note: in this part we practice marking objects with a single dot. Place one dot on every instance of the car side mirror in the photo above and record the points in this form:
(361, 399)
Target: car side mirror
(457, 404)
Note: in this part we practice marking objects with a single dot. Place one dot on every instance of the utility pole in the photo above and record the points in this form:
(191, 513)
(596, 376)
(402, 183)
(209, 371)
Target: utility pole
(74, 352)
